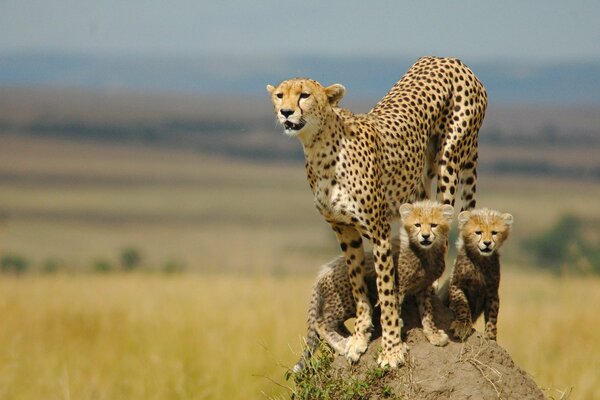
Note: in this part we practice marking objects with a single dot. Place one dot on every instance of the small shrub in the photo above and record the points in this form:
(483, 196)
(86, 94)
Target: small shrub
(14, 263)
(563, 248)
(173, 267)
(52, 266)
(131, 258)
(102, 265)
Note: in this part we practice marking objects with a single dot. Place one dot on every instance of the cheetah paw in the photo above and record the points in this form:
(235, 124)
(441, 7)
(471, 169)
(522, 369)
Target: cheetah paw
(355, 347)
(394, 357)
(461, 329)
(438, 338)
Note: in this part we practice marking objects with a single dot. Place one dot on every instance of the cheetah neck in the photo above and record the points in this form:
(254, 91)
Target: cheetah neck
(321, 148)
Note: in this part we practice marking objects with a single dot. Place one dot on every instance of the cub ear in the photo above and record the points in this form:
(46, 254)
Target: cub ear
(463, 217)
(335, 93)
(448, 212)
(405, 210)
(270, 89)
(508, 219)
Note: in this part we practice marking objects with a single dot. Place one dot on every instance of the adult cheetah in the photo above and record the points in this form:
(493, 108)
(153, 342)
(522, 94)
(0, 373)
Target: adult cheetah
(362, 167)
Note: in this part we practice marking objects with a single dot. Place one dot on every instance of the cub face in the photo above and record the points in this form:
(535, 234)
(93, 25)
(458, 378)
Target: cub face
(300, 103)
(484, 230)
(426, 222)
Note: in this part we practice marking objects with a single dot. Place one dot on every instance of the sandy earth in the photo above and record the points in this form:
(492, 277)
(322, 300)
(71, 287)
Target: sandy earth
(476, 369)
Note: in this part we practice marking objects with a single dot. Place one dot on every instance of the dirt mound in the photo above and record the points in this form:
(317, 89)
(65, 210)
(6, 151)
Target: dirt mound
(476, 369)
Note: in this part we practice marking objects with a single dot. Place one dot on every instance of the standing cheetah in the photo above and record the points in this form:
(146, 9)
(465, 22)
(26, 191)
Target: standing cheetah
(473, 285)
(362, 167)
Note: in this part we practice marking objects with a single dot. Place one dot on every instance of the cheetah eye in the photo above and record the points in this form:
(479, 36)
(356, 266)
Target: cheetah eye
(478, 232)
(279, 95)
(433, 225)
(418, 225)
(494, 232)
(304, 95)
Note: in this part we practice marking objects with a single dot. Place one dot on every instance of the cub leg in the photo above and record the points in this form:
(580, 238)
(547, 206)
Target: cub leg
(435, 336)
(462, 325)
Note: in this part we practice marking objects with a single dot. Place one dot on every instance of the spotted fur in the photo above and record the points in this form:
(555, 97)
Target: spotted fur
(423, 248)
(362, 167)
(473, 285)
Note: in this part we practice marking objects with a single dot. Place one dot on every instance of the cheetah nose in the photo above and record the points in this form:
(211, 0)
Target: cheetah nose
(286, 112)
(425, 235)
(487, 243)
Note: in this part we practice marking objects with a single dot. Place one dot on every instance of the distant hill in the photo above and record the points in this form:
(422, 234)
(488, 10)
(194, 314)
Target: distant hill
(521, 139)
(367, 78)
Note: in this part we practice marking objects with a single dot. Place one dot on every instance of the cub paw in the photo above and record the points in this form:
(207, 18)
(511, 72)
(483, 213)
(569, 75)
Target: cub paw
(461, 329)
(438, 338)
(490, 335)
(355, 347)
(393, 357)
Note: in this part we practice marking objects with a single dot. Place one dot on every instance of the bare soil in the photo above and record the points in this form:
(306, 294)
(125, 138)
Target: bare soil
(475, 369)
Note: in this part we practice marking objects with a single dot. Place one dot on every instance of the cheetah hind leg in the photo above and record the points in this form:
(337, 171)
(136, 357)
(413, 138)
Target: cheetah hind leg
(468, 180)
(435, 336)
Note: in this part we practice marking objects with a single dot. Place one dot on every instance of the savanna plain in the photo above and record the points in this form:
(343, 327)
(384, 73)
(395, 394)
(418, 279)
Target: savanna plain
(247, 243)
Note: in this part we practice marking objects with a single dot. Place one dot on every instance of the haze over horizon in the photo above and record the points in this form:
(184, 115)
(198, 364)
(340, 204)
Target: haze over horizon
(552, 31)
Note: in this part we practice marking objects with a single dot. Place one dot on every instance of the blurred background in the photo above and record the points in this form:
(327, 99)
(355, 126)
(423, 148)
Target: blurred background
(146, 190)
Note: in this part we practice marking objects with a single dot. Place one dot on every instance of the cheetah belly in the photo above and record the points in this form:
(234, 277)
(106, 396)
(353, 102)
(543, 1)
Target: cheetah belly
(334, 203)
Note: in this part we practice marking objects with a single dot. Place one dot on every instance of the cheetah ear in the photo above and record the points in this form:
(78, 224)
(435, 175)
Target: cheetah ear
(448, 212)
(270, 89)
(463, 217)
(335, 93)
(405, 210)
(508, 219)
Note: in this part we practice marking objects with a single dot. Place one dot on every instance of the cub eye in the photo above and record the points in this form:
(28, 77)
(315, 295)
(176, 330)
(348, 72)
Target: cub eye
(494, 232)
(304, 95)
(418, 225)
(279, 95)
(478, 232)
(433, 225)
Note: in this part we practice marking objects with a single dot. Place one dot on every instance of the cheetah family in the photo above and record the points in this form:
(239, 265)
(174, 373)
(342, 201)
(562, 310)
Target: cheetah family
(362, 167)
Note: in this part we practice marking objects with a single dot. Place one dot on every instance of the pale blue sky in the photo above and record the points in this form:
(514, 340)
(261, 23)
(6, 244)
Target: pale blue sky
(472, 30)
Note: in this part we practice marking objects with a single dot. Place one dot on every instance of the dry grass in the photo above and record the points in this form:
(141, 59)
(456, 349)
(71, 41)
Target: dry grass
(216, 337)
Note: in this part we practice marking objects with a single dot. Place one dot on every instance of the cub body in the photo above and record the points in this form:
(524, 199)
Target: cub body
(473, 285)
(421, 262)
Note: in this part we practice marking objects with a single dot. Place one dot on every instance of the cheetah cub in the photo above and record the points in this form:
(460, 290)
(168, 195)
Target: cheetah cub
(473, 285)
(421, 262)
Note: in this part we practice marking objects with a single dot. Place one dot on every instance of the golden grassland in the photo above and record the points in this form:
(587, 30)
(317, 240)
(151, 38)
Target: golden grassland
(231, 337)
(254, 242)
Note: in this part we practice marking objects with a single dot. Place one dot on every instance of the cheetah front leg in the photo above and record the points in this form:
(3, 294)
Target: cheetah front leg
(492, 306)
(462, 325)
(354, 255)
(435, 336)
(393, 350)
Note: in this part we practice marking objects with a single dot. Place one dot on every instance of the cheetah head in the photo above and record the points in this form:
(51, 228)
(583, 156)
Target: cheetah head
(301, 104)
(484, 230)
(426, 222)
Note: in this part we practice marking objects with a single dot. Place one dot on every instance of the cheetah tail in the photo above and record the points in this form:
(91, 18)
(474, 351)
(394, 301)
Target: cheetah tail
(312, 337)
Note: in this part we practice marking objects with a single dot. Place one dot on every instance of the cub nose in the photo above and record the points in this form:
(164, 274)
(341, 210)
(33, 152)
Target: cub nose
(425, 235)
(487, 243)
(286, 112)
